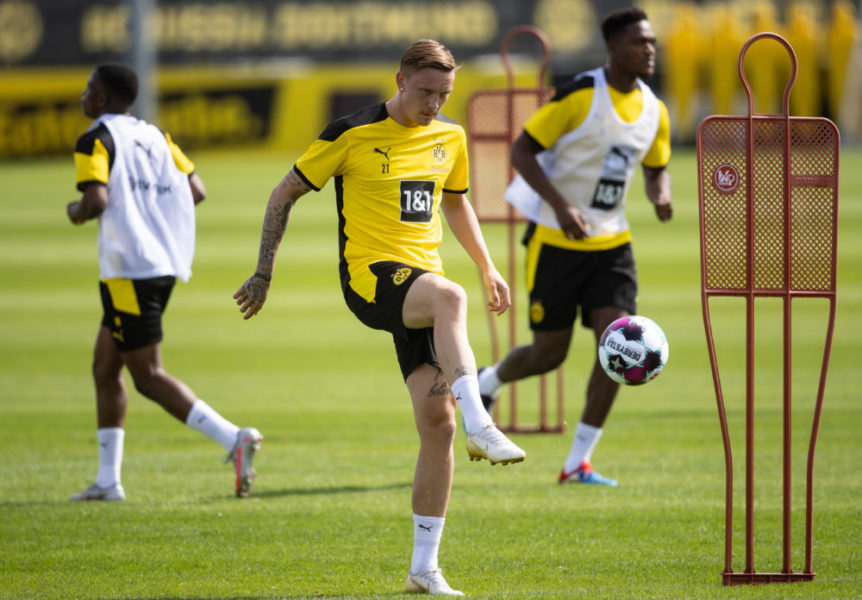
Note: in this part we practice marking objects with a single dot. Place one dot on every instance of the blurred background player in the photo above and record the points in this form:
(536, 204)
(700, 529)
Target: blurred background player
(396, 165)
(143, 190)
(804, 36)
(682, 61)
(767, 65)
(842, 36)
(576, 158)
(727, 36)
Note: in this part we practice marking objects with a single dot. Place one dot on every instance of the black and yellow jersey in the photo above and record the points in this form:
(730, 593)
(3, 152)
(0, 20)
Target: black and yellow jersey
(389, 181)
(95, 152)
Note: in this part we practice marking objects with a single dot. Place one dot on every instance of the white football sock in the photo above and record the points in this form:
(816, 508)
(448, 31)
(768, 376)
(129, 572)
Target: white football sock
(207, 421)
(110, 455)
(585, 440)
(466, 391)
(426, 541)
(489, 383)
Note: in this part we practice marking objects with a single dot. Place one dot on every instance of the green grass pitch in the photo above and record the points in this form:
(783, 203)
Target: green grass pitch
(330, 513)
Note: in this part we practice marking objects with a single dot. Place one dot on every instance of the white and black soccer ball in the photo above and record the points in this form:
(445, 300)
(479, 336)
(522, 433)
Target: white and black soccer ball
(633, 350)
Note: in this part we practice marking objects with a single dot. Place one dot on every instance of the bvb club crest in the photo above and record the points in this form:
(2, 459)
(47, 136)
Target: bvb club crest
(439, 153)
(537, 312)
(401, 275)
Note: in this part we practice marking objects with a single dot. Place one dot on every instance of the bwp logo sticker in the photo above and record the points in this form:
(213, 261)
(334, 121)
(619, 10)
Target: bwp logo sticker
(725, 178)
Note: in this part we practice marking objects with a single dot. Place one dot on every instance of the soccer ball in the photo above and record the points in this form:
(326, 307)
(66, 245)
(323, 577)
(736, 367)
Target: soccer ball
(633, 350)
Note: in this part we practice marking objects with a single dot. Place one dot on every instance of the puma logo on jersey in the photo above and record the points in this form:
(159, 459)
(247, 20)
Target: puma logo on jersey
(385, 153)
(146, 149)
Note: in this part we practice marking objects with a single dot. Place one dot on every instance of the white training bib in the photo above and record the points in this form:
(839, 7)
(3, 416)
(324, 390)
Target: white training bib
(148, 229)
(592, 166)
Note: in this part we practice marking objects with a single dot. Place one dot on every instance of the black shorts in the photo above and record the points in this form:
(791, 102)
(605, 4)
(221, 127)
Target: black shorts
(133, 310)
(565, 279)
(414, 347)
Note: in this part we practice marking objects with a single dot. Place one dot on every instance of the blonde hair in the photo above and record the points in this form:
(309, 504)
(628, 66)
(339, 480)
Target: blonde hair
(428, 54)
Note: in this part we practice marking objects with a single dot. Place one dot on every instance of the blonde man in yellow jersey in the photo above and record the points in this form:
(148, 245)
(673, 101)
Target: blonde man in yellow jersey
(576, 158)
(142, 190)
(396, 166)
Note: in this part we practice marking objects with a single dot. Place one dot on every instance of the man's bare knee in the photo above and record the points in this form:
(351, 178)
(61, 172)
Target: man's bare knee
(440, 432)
(146, 380)
(550, 359)
(105, 374)
(549, 350)
(452, 298)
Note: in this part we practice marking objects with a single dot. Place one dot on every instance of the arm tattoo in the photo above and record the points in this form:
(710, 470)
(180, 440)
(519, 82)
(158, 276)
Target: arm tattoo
(297, 182)
(274, 225)
(275, 220)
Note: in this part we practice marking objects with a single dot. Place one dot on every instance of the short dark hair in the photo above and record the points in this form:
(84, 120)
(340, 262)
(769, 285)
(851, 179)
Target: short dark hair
(120, 81)
(615, 22)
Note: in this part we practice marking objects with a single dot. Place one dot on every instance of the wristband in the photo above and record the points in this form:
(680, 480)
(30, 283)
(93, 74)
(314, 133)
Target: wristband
(262, 276)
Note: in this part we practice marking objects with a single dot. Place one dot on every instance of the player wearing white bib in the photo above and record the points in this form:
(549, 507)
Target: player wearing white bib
(143, 191)
(576, 158)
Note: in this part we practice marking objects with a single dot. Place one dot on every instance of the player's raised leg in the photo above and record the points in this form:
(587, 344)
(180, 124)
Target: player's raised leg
(434, 301)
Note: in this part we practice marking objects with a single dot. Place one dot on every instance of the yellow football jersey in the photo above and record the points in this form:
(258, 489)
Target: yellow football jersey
(389, 181)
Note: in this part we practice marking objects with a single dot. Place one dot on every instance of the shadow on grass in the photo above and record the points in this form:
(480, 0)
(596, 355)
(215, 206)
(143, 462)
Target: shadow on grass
(265, 597)
(331, 490)
(312, 491)
(343, 489)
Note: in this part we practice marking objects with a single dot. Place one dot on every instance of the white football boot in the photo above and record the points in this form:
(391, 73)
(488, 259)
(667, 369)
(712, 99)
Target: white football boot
(429, 582)
(248, 440)
(489, 442)
(94, 492)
